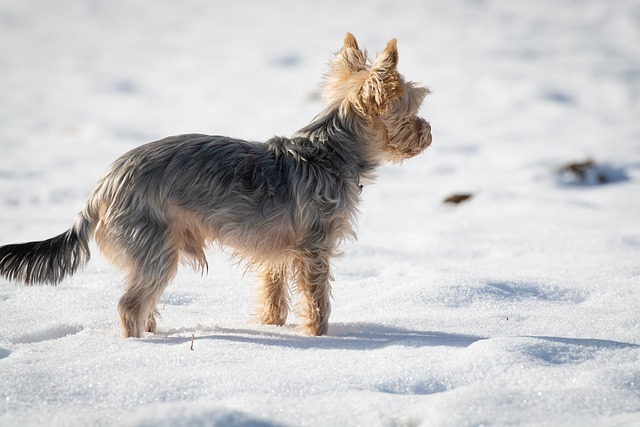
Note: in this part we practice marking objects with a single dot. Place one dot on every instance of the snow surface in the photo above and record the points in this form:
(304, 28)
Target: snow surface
(519, 306)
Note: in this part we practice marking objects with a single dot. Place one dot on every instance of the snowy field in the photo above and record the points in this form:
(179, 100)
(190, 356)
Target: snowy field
(519, 306)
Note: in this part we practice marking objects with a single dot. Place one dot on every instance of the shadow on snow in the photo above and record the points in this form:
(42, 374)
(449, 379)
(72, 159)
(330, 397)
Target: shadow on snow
(342, 336)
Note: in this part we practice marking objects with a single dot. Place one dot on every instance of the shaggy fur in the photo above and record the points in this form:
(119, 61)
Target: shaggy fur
(283, 205)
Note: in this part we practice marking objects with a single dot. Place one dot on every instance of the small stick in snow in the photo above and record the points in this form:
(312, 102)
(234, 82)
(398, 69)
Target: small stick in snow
(193, 337)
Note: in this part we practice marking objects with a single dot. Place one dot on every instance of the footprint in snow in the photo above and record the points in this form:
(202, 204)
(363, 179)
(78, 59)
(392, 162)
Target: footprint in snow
(52, 333)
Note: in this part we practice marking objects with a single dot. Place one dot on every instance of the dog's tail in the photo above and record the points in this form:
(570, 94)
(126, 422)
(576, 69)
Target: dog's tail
(51, 260)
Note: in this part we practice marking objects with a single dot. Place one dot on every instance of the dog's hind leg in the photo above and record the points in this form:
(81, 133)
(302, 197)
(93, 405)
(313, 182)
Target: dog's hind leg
(148, 274)
(313, 281)
(144, 286)
(273, 299)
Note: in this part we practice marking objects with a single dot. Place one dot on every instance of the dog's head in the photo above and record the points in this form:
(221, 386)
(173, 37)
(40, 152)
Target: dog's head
(379, 99)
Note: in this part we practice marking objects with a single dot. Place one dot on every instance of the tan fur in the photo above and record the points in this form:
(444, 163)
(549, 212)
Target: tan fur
(273, 299)
(189, 236)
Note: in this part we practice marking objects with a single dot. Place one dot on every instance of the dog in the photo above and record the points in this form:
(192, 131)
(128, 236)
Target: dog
(283, 206)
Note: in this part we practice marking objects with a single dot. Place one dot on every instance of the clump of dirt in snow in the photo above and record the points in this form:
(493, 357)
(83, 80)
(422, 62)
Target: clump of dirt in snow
(589, 172)
(458, 198)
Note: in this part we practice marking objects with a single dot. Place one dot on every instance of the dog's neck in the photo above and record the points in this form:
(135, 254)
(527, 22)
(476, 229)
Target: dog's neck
(329, 136)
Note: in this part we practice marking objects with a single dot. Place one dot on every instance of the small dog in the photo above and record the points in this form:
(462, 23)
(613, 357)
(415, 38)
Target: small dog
(283, 206)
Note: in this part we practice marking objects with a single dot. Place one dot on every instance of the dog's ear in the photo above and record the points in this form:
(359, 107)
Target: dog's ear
(381, 86)
(350, 42)
(339, 80)
(350, 59)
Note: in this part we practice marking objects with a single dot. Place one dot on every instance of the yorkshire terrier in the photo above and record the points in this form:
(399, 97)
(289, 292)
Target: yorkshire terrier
(283, 205)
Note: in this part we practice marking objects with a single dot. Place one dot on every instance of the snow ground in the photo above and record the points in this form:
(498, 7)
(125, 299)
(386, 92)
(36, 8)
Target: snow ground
(517, 307)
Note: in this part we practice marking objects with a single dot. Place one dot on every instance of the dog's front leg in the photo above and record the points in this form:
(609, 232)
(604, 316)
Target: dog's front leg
(273, 300)
(314, 277)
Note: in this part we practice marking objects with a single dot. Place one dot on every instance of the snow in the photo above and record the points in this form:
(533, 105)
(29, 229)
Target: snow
(519, 306)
